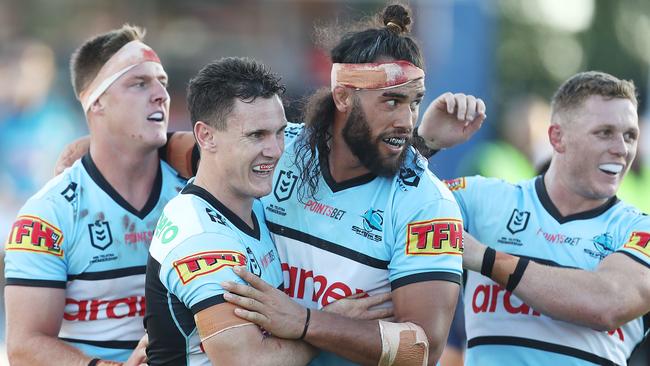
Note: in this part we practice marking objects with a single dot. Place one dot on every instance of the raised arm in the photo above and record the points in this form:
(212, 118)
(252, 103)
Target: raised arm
(616, 292)
(451, 119)
(423, 313)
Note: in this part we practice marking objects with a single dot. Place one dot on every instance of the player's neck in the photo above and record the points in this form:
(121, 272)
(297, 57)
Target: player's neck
(565, 197)
(131, 173)
(217, 186)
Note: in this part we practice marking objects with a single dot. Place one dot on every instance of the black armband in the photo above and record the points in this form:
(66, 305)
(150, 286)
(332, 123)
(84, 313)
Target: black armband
(515, 277)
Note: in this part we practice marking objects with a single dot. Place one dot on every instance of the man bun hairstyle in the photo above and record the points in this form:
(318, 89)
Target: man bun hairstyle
(386, 36)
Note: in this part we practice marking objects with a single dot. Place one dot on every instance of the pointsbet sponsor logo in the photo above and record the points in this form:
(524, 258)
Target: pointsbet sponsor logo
(304, 284)
(199, 264)
(33, 234)
(97, 309)
(325, 210)
(433, 237)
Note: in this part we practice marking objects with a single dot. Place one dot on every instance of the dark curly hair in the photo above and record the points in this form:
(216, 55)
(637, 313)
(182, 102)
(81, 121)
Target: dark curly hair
(386, 36)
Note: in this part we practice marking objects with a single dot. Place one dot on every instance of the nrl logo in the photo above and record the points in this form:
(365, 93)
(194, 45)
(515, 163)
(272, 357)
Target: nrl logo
(284, 185)
(518, 221)
(409, 177)
(100, 234)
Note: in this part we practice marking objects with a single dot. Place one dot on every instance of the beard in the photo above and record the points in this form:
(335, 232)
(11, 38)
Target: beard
(357, 135)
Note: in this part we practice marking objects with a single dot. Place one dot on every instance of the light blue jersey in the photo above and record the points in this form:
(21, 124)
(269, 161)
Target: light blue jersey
(369, 234)
(79, 234)
(521, 220)
(196, 244)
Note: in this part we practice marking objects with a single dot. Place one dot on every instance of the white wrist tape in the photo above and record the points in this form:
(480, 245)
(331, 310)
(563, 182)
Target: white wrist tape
(403, 344)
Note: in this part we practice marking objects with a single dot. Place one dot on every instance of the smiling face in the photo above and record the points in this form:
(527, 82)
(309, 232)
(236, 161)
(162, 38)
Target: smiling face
(248, 150)
(597, 146)
(379, 127)
(135, 108)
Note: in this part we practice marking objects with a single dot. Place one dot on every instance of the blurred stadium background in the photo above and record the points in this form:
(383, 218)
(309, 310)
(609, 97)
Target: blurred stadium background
(512, 53)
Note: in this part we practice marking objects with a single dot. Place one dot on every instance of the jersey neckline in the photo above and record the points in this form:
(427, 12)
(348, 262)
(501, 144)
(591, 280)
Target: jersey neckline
(549, 206)
(103, 184)
(339, 186)
(202, 193)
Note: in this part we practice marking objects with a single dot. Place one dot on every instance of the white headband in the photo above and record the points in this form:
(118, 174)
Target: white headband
(129, 56)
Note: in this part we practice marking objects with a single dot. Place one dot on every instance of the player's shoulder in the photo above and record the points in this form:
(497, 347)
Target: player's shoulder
(415, 181)
(187, 218)
(293, 129)
(629, 215)
(60, 193)
(491, 186)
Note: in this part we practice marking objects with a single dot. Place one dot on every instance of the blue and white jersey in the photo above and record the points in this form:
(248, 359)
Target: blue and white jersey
(79, 234)
(521, 220)
(369, 234)
(196, 244)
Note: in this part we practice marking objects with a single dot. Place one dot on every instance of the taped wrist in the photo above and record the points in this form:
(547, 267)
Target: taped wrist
(403, 344)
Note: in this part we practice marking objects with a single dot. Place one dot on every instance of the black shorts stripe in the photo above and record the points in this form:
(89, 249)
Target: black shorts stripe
(104, 344)
(35, 283)
(543, 346)
(423, 277)
(107, 275)
(646, 264)
(327, 246)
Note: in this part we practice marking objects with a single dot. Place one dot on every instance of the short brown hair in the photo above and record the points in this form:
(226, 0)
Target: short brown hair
(573, 92)
(88, 59)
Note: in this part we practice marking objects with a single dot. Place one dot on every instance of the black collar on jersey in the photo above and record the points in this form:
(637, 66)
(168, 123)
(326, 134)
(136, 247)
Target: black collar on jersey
(339, 186)
(99, 179)
(544, 198)
(191, 188)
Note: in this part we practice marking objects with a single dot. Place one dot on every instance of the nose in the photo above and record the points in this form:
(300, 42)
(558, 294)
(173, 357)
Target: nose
(159, 94)
(274, 147)
(406, 119)
(619, 147)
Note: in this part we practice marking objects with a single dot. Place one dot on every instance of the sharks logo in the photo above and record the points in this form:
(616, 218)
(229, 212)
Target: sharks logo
(604, 243)
(373, 219)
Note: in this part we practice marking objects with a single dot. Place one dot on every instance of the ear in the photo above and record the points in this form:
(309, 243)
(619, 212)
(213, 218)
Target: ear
(342, 99)
(97, 107)
(204, 134)
(556, 138)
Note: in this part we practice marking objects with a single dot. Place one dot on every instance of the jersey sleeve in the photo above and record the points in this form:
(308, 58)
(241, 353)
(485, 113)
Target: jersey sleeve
(194, 269)
(36, 248)
(474, 196)
(637, 241)
(428, 243)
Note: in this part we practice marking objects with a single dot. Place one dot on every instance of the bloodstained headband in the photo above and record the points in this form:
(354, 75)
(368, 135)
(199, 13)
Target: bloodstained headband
(383, 75)
(129, 56)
